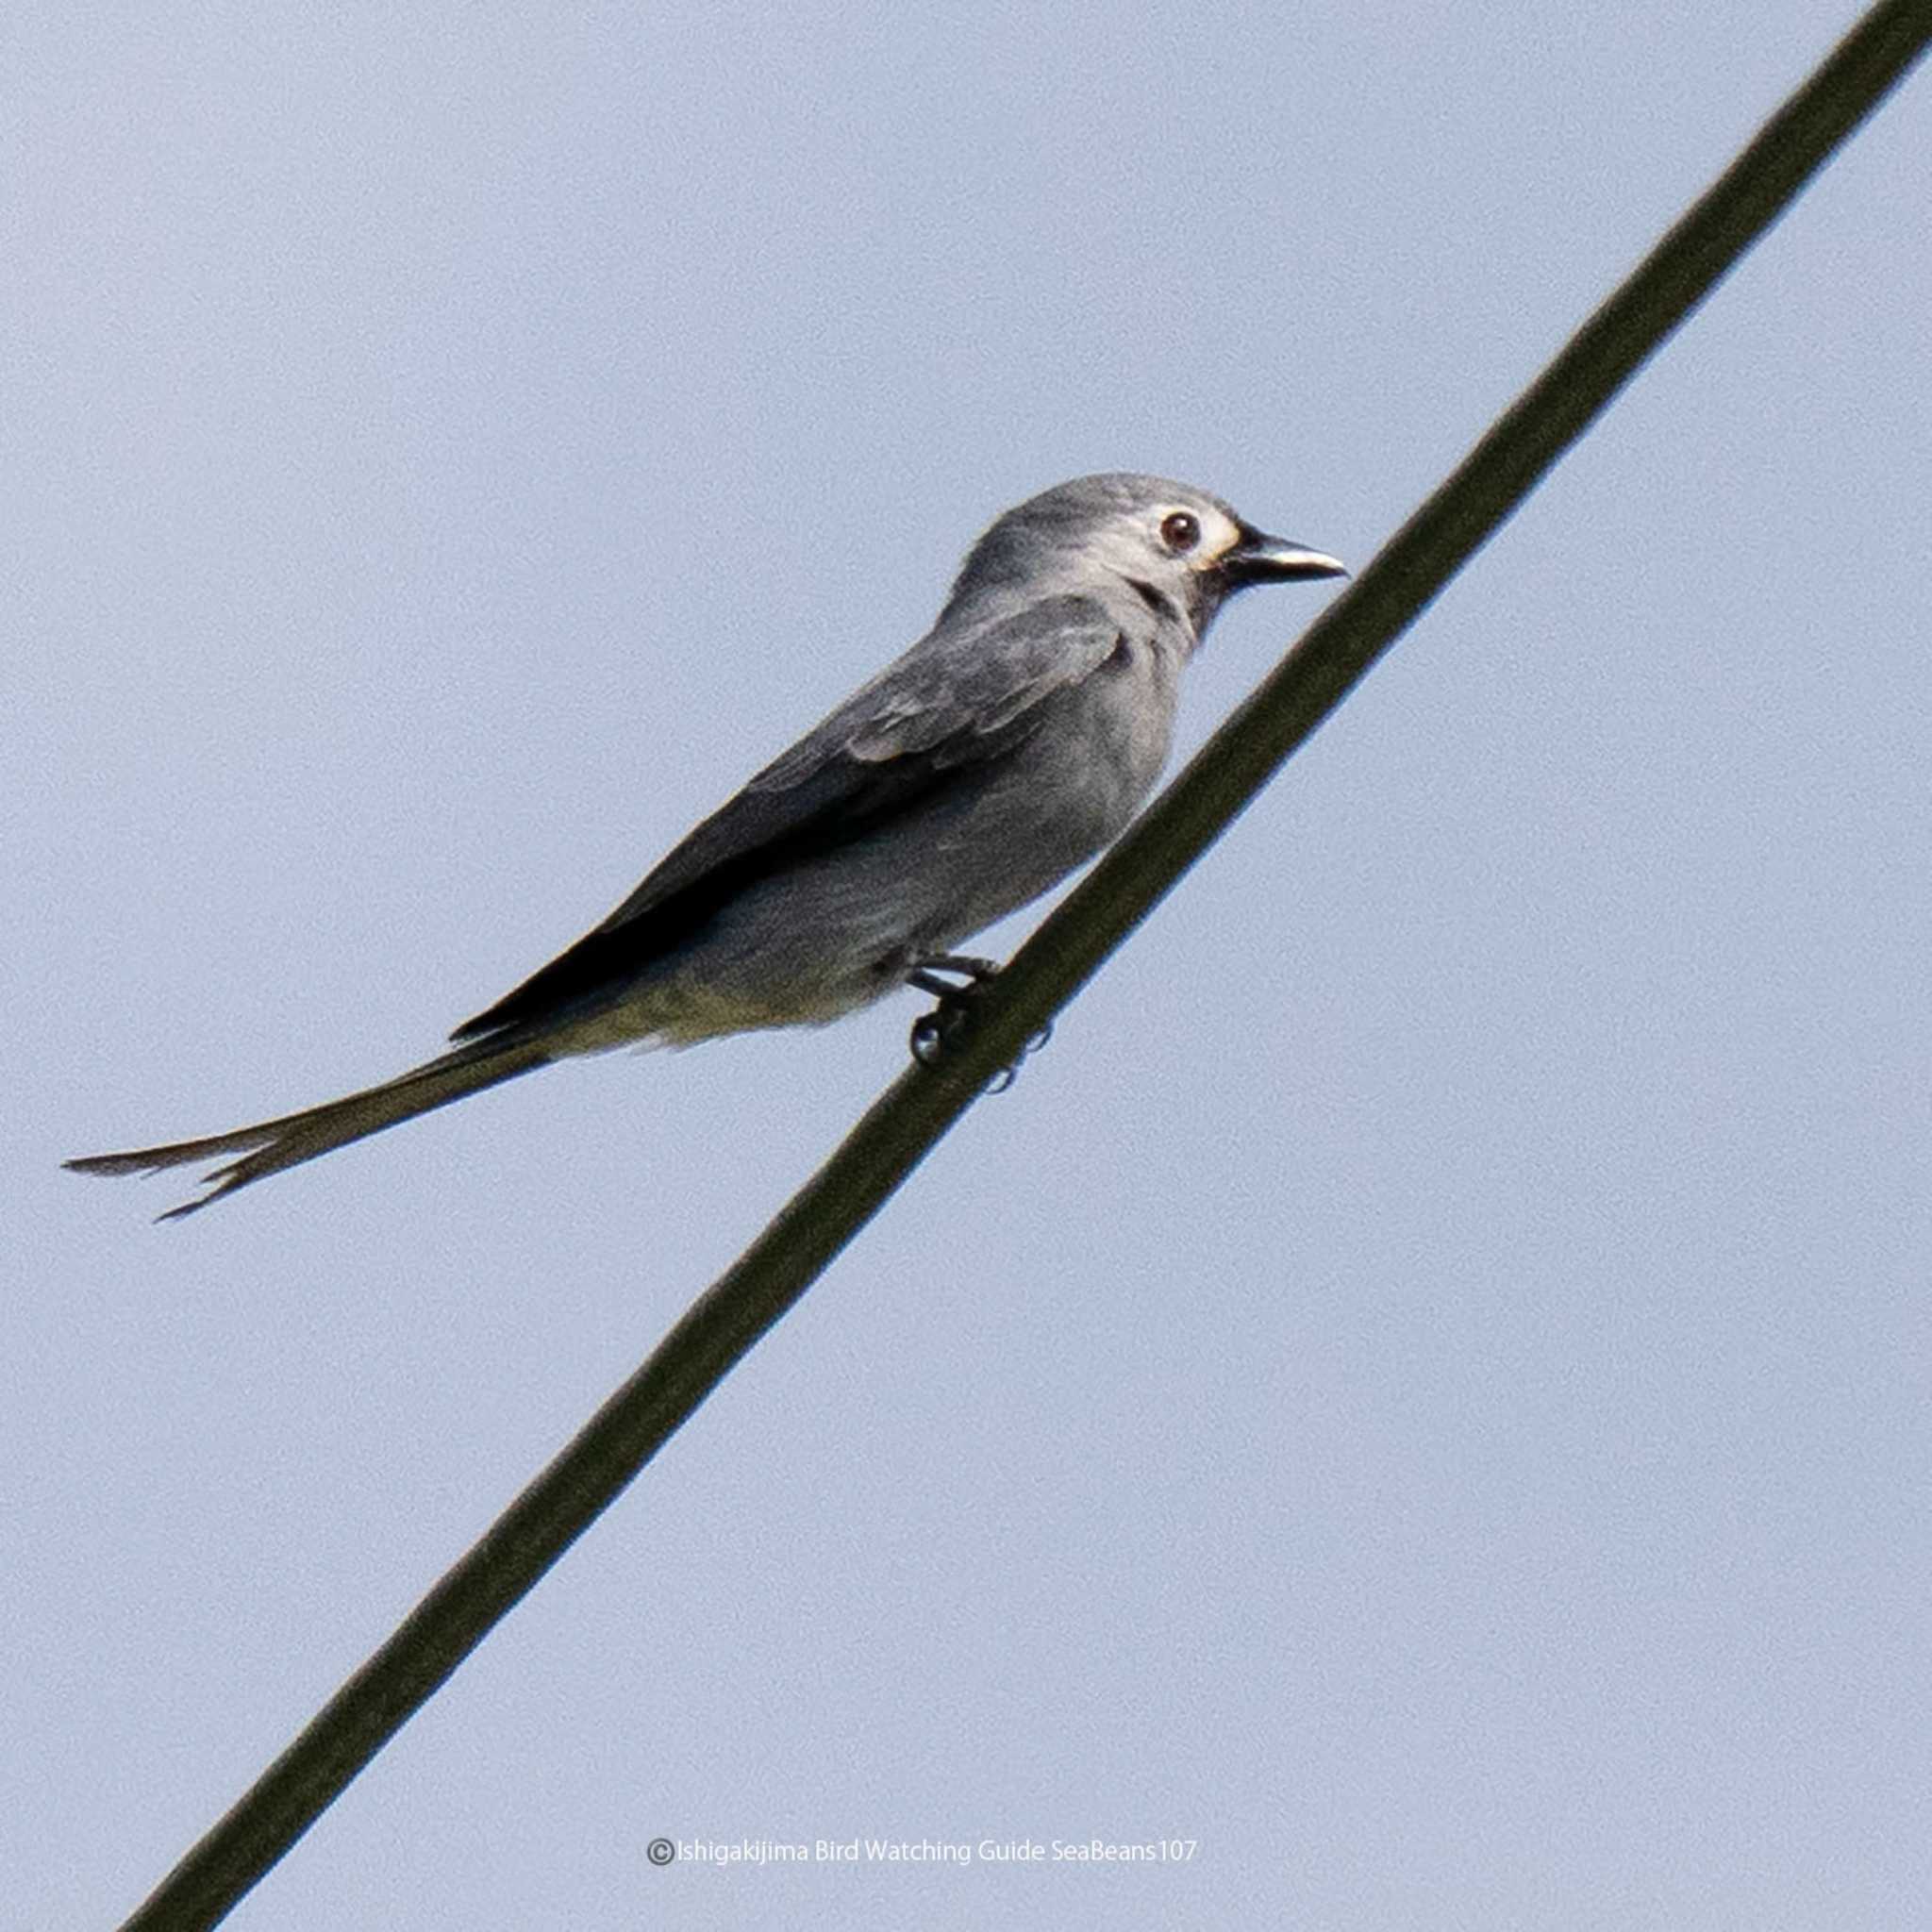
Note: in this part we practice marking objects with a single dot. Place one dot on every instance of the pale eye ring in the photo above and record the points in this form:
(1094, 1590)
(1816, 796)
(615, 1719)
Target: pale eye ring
(1180, 530)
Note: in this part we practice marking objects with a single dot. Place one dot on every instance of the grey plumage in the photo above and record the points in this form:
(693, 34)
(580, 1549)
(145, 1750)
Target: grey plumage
(1007, 746)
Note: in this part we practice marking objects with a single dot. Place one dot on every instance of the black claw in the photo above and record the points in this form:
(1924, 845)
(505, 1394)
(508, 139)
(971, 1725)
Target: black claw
(928, 1048)
(935, 1033)
(948, 1023)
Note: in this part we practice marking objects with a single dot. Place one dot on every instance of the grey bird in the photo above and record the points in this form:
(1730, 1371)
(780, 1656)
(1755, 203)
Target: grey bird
(1007, 747)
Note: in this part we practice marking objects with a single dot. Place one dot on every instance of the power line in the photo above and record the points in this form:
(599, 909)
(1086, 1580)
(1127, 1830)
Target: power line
(903, 1125)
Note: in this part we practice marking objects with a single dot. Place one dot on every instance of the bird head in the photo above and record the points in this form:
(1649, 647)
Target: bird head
(1182, 552)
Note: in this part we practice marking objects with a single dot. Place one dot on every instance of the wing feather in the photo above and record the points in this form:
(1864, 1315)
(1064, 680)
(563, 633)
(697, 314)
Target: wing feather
(949, 704)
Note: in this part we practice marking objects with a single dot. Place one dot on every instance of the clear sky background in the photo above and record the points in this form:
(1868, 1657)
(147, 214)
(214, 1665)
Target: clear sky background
(1422, 1389)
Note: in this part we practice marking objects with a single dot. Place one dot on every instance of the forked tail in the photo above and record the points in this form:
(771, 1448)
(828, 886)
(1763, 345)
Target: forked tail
(268, 1146)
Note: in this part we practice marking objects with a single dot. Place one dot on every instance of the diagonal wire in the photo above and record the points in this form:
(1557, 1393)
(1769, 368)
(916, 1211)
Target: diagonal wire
(903, 1125)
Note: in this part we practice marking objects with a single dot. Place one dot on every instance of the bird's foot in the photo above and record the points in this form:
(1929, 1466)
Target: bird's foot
(935, 1033)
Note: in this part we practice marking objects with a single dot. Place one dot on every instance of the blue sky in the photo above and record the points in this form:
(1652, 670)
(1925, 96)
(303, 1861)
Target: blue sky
(1419, 1390)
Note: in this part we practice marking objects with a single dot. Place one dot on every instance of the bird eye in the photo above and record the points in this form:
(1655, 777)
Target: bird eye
(1180, 530)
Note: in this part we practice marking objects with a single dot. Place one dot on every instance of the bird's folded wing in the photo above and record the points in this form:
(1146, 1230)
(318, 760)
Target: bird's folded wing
(955, 700)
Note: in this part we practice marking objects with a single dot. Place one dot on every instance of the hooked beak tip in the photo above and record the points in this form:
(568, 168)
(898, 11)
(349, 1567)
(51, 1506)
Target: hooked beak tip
(1259, 558)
